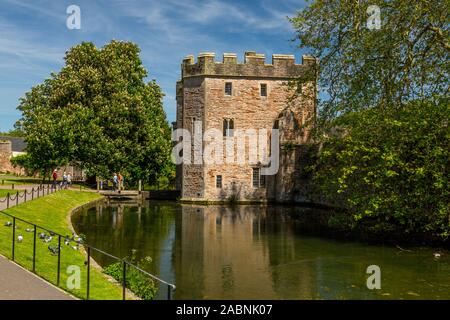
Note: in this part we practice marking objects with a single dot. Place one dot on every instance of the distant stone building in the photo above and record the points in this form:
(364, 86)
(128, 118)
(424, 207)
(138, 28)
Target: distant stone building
(230, 97)
(11, 147)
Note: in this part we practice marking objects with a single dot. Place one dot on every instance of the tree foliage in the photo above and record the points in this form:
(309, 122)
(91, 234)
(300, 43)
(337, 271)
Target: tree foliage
(13, 133)
(406, 59)
(391, 169)
(383, 117)
(98, 113)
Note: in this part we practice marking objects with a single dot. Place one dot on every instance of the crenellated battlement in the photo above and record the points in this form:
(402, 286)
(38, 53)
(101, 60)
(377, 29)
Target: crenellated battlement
(254, 65)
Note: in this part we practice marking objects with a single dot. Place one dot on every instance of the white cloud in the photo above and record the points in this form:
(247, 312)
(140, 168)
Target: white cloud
(23, 50)
(166, 31)
(178, 15)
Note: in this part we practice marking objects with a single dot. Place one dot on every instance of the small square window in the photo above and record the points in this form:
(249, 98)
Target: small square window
(262, 181)
(255, 178)
(219, 181)
(263, 90)
(228, 127)
(258, 180)
(228, 88)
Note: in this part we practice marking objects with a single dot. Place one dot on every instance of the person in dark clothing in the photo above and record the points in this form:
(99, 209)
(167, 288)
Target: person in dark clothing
(55, 178)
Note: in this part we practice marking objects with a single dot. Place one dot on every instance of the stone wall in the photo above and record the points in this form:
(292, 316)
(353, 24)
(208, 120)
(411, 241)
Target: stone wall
(75, 172)
(5, 159)
(282, 66)
(201, 97)
(293, 181)
(192, 110)
(249, 111)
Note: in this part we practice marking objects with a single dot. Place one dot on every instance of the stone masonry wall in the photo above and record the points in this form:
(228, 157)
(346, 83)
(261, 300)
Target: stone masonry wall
(249, 111)
(201, 97)
(294, 123)
(5, 159)
(193, 109)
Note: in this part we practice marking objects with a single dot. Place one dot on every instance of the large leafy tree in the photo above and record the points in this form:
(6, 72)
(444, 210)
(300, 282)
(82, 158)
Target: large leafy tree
(98, 113)
(384, 113)
(391, 170)
(361, 67)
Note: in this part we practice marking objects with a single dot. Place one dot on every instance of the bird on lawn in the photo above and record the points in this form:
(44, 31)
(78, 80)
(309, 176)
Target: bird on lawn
(8, 224)
(48, 239)
(42, 235)
(66, 241)
(19, 238)
(29, 230)
(53, 250)
(436, 255)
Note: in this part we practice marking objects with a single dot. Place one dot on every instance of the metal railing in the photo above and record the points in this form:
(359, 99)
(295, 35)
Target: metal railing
(39, 191)
(88, 248)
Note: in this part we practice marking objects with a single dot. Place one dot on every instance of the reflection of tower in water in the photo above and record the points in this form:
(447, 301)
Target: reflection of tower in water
(225, 252)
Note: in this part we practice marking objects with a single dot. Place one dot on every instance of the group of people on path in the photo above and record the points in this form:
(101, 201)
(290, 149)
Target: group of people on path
(117, 182)
(66, 182)
(66, 179)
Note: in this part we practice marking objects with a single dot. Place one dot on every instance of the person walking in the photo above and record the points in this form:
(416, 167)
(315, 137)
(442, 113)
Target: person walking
(69, 179)
(64, 180)
(115, 181)
(120, 180)
(55, 178)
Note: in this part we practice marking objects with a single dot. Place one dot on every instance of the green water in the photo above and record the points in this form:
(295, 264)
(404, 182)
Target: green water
(253, 252)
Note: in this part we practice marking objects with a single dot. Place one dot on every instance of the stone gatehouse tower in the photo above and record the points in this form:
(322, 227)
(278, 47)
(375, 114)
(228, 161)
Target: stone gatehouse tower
(229, 96)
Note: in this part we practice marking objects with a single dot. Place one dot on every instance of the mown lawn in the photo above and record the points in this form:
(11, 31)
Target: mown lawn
(51, 212)
(9, 180)
(4, 192)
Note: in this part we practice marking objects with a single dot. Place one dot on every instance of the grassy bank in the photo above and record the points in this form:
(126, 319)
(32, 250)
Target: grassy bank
(4, 192)
(18, 181)
(51, 212)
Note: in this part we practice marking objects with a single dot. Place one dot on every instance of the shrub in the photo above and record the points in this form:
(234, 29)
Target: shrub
(140, 284)
(391, 170)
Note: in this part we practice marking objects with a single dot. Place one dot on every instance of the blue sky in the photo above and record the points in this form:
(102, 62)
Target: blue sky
(34, 37)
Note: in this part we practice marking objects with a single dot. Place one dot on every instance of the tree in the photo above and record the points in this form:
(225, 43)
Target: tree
(406, 59)
(391, 170)
(383, 118)
(99, 114)
(13, 133)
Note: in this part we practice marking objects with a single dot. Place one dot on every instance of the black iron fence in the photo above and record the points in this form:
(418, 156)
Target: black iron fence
(125, 265)
(13, 198)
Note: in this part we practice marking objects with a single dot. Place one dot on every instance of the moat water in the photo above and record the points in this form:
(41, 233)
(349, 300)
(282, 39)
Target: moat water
(253, 252)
